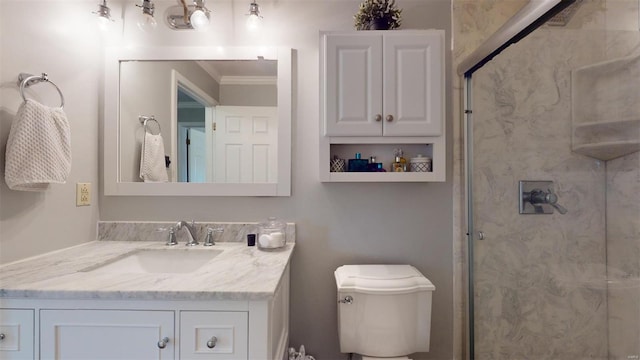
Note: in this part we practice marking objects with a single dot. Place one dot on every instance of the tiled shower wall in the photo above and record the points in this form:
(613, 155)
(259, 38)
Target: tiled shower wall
(623, 256)
(542, 289)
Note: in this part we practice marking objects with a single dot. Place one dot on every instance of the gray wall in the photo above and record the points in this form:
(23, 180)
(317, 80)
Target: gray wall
(61, 42)
(336, 223)
(249, 95)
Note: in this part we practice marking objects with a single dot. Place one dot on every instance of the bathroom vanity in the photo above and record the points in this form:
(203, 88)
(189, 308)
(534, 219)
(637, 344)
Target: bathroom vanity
(74, 303)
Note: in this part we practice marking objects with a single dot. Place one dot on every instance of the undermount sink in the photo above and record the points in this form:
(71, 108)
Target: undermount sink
(147, 261)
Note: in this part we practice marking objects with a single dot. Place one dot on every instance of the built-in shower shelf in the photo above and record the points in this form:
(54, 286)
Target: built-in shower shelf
(607, 140)
(608, 150)
(606, 109)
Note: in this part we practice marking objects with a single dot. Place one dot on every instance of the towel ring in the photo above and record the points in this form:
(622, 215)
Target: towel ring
(25, 80)
(145, 119)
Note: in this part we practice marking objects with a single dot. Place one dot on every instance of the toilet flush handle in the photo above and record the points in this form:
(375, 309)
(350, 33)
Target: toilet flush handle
(347, 300)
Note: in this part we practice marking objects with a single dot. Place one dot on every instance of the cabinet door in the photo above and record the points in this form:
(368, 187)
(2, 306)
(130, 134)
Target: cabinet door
(16, 334)
(353, 85)
(106, 334)
(198, 329)
(413, 84)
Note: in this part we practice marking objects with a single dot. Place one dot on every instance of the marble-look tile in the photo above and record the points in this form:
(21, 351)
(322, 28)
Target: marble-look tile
(149, 231)
(540, 280)
(623, 256)
(544, 283)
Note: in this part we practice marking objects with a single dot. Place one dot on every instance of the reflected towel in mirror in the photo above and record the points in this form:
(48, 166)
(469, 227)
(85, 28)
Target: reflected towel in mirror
(152, 162)
(38, 148)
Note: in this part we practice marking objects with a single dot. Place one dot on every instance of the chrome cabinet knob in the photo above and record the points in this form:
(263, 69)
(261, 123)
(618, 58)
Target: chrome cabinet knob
(2, 336)
(378, 117)
(347, 300)
(163, 343)
(389, 118)
(212, 342)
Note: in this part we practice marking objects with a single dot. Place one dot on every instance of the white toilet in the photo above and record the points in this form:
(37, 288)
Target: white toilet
(384, 311)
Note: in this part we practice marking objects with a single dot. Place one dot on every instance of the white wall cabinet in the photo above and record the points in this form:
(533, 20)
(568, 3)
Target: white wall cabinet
(382, 90)
(16, 334)
(384, 83)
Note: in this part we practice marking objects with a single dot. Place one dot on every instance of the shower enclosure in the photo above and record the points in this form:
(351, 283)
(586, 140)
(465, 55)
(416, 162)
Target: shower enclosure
(560, 107)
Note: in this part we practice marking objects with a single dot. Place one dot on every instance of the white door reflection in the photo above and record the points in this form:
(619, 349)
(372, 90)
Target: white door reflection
(245, 144)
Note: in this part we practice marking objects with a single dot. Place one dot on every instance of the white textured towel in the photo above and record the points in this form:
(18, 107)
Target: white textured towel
(38, 148)
(152, 164)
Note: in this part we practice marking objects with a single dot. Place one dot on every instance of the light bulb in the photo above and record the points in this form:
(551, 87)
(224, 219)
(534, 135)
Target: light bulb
(103, 23)
(253, 22)
(104, 16)
(146, 22)
(199, 20)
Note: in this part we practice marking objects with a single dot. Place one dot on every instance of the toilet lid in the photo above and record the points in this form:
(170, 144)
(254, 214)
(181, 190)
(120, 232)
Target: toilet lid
(381, 279)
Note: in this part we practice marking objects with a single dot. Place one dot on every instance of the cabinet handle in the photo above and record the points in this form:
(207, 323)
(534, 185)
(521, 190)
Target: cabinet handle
(389, 118)
(163, 343)
(2, 336)
(378, 117)
(212, 342)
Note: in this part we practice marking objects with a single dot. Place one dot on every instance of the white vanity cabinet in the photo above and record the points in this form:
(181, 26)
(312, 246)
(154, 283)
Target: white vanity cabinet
(16, 334)
(387, 83)
(106, 334)
(382, 90)
(145, 328)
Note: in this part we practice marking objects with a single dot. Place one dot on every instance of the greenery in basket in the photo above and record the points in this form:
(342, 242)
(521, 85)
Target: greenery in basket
(378, 15)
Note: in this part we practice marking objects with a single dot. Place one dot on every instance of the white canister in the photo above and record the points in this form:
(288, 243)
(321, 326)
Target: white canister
(420, 163)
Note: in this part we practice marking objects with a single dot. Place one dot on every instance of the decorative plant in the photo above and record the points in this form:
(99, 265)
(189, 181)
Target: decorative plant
(378, 15)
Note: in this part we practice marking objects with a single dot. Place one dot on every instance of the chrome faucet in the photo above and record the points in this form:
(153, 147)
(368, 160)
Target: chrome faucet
(190, 230)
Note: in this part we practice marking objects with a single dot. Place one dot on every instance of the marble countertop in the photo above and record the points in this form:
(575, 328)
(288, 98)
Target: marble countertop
(240, 272)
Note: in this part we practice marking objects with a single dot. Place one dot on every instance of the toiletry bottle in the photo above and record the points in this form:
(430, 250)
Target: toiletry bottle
(358, 164)
(400, 163)
(372, 166)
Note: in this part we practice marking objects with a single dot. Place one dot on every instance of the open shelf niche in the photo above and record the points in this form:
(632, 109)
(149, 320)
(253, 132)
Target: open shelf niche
(606, 109)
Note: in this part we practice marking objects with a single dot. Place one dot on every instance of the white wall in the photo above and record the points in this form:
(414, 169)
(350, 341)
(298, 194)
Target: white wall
(60, 39)
(336, 223)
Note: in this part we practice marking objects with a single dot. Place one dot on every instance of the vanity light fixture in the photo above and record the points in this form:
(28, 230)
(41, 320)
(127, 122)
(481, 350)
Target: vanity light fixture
(146, 21)
(188, 17)
(255, 19)
(104, 15)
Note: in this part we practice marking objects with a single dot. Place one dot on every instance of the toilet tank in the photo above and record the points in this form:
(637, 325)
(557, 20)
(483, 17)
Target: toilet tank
(383, 310)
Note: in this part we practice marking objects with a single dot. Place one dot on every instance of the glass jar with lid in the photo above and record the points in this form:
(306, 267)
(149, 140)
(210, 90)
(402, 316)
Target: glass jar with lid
(271, 234)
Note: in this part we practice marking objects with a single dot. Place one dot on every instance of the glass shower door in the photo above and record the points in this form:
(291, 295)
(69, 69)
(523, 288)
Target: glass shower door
(561, 108)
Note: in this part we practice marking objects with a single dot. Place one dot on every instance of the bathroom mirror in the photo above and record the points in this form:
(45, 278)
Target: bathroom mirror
(218, 121)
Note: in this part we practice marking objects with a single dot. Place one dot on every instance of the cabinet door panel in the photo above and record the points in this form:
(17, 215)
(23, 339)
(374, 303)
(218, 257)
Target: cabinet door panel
(17, 328)
(231, 330)
(413, 84)
(105, 334)
(353, 88)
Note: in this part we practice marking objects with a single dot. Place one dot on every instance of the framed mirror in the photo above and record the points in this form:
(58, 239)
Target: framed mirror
(195, 121)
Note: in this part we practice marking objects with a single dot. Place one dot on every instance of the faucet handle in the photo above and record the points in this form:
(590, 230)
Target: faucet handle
(552, 199)
(209, 240)
(171, 240)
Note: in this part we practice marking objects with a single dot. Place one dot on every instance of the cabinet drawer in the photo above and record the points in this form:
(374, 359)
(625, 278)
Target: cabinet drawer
(230, 329)
(16, 329)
